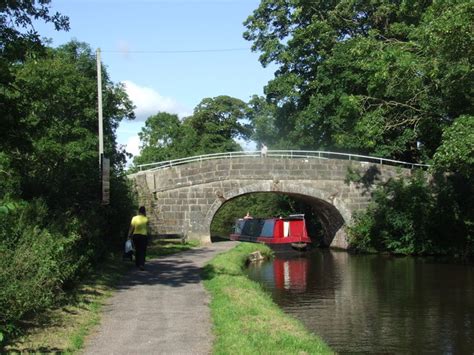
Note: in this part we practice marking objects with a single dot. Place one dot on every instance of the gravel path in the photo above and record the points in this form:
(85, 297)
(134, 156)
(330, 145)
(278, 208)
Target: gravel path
(162, 310)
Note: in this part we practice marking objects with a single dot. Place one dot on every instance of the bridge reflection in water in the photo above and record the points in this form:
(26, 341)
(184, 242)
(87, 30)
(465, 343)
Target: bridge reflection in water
(374, 303)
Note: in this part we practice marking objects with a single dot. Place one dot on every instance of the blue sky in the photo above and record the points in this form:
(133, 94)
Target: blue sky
(129, 31)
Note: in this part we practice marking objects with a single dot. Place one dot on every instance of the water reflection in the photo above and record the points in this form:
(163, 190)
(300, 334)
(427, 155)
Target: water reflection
(290, 275)
(378, 304)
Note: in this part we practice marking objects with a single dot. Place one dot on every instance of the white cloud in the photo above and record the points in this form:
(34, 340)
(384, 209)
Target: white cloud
(149, 102)
(133, 145)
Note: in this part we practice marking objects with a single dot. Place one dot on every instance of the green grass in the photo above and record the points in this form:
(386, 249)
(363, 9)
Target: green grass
(64, 329)
(246, 320)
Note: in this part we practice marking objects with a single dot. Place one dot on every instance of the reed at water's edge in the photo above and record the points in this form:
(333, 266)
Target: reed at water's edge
(245, 319)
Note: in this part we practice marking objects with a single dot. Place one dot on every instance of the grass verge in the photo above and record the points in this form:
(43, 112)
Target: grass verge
(64, 329)
(246, 320)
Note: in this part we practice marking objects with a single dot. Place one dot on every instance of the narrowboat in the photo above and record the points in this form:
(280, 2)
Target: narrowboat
(278, 233)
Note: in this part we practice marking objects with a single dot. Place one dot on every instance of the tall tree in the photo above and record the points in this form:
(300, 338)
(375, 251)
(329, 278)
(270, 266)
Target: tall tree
(213, 128)
(18, 40)
(218, 122)
(54, 147)
(374, 76)
(161, 139)
(456, 153)
(262, 114)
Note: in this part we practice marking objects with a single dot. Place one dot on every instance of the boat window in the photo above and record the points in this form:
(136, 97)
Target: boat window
(238, 226)
(267, 230)
(252, 227)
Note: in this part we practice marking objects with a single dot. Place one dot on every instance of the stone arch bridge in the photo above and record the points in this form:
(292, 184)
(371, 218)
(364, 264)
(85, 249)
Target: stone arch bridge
(182, 196)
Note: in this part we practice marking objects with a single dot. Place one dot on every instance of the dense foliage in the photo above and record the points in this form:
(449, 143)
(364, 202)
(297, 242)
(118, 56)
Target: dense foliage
(426, 214)
(375, 76)
(52, 224)
(418, 216)
(456, 153)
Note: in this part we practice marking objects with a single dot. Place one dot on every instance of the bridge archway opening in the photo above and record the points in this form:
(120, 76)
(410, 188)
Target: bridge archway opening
(322, 218)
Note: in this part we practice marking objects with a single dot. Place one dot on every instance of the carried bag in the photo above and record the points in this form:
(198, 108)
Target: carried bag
(128, 250)
(128, 246)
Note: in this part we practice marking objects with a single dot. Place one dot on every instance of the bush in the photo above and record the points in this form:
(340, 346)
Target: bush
(35, 262)
(418, 215)
(33, 273)
(43, 253)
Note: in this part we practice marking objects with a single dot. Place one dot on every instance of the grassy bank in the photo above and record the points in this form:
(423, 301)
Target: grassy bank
(63, 329)
(246, 321)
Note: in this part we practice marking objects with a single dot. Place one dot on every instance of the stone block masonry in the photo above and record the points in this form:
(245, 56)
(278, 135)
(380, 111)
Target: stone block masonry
(183, 199)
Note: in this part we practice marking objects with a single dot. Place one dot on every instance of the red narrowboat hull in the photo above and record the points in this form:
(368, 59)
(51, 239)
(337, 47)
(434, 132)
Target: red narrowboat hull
(278, 233)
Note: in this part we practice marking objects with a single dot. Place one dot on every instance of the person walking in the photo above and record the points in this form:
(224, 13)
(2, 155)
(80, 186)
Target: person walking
(264, 151)
(138, 232)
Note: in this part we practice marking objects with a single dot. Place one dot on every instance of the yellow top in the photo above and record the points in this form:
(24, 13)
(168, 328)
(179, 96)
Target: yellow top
(139, 224)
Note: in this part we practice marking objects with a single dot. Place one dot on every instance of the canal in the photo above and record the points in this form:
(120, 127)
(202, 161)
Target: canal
(375, 303)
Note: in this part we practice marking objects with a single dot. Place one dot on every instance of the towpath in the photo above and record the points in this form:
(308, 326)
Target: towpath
(162, 310)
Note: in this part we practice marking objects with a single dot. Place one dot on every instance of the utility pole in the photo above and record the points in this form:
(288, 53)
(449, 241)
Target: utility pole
(99, 107)
(104, 163)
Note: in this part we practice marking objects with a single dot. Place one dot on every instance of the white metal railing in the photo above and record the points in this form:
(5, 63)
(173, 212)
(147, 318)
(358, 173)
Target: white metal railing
(292, 154)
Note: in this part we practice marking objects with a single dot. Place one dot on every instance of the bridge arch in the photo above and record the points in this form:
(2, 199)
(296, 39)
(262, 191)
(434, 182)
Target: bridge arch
(331, 216)
(184, 195)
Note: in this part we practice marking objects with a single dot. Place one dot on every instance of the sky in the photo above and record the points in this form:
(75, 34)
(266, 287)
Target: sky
(164, 52)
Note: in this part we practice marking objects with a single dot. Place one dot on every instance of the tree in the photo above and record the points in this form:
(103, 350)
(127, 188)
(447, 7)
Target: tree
(162, 139)
(381, 77)
(456, 153)
(262, 114)
(213, 128)
(218, 122)
(52, 226)
(372, 76)
(55, 146)
(17, 34)
(18, 41)
(453, 168)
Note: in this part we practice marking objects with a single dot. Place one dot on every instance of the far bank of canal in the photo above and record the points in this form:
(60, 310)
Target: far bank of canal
(375, 303)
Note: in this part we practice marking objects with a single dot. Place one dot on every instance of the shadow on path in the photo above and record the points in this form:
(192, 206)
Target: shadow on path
(172, 270)
(161, 310)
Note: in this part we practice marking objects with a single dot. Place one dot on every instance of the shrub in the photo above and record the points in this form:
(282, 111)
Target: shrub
(35, 262)
(43, 253)
(417, 215)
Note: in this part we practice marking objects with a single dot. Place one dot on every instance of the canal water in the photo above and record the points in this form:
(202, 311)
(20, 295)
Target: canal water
(374, 303)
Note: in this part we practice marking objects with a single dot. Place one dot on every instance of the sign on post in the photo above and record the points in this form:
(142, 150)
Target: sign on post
(105, 181)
